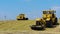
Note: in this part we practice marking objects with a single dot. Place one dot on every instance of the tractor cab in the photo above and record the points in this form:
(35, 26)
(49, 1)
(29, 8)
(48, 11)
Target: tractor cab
(21, 16)
(50, 17)
(48, 14)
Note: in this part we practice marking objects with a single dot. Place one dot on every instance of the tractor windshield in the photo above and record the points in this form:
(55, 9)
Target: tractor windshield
(52, 12)
(49, 12)
(44, 12)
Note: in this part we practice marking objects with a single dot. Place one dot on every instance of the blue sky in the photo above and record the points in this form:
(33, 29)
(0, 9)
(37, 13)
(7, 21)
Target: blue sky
(32, 8)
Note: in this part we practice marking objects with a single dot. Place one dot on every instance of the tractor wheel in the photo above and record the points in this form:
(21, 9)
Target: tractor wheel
(49, 24)
(37, 27)
(26, 18)
(18, 19)
(55, 23)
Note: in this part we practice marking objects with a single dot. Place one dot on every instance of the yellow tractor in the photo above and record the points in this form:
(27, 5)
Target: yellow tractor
(48, 20)
(21, 17)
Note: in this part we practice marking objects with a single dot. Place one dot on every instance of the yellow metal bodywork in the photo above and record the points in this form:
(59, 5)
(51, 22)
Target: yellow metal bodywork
(41, 20)
(48, 16)
(48, 20)
(21, 16)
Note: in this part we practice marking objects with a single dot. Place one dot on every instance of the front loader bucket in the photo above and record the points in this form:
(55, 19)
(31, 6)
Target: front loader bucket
(37, 27)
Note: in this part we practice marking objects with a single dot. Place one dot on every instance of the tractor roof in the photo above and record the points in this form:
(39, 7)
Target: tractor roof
(21, 14)
(52, 11)
(49, 11)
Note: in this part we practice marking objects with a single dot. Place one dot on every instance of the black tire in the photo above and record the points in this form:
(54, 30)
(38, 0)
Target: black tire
(21, 19)
(34, 27)
(18, 19)
(26, 18)
(49, 24)
(56, 20)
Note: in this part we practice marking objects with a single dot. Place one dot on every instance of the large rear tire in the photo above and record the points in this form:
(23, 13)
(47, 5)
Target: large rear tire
(56, 21)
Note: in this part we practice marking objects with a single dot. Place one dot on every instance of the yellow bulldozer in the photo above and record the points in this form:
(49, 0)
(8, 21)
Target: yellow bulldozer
(21, 17)
(48, 20)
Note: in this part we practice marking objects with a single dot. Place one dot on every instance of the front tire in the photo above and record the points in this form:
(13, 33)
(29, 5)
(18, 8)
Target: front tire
(49, 24)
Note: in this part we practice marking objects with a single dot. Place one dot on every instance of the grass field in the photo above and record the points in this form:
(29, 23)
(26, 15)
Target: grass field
(16, 25)
(23, 25)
